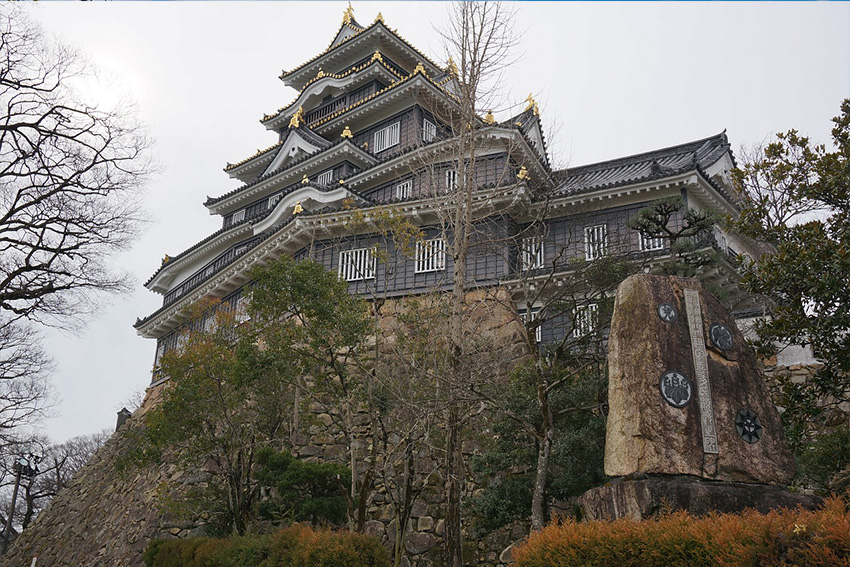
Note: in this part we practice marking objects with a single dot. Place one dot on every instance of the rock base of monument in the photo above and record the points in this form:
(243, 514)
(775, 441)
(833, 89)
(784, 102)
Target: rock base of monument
(641, 498)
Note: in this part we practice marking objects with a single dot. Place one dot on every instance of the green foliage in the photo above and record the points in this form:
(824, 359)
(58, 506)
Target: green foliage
(824, 462)
(232, 387)
(796, 198)
(507, 467)
(305, 492)
(295, 546)
(750, 539)
(685, 234)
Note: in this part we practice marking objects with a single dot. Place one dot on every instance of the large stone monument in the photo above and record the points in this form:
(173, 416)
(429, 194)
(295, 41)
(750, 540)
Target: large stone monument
(691, 424)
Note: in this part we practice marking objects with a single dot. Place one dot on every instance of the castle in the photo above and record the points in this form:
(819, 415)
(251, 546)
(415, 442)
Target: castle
(371, 130)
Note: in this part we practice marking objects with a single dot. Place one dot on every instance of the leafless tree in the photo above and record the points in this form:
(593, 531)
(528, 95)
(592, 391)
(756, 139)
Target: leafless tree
(58, 464)
(70, 179)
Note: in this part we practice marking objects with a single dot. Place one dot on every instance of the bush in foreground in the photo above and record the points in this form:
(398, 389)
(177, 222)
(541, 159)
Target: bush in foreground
(295, 546)
(786, 537)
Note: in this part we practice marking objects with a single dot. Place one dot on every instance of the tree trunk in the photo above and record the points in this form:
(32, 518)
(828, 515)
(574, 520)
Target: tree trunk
(453, 486)
(544, 450)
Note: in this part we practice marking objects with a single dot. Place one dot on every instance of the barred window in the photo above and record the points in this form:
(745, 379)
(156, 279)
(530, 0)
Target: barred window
(242, 309)
(430, 256)
(538, 330)
(531, 256)
(587, 317)
(238, 216)
(325, 177)
(404, 189)
(386, 137)
(358, 264)
(241, 249)
(651, 244)
(274, 200)
(595, 241)
(451, 180)
(429, 130)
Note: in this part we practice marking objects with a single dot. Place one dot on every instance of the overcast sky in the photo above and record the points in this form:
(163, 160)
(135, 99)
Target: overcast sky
(614, 78)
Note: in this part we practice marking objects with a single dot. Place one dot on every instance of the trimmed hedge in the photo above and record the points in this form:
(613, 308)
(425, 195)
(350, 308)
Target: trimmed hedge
(295, 546)
(785, 537)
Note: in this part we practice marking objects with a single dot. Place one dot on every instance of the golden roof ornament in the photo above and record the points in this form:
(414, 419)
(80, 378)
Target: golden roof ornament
(304, 180)
(348, 14)
(420, 68)
(379, 18)
(342, 181)
(320, 74)
(298, 208)
(296, 119)
(377, 56)
(531, 105)
(346, 133)
(489, 118)
(451, 67)
(523, 174)
(166, 259)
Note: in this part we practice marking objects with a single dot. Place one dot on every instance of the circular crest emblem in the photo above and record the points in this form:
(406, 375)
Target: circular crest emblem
(748, 425)
(721, 336)
(675, 389)
(667, 312)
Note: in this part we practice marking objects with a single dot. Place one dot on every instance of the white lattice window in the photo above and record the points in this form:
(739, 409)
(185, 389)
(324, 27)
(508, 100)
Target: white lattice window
(451, 180)
(595, 241)
(209, 322)
(587, 317)
(242, 314)
(386, 137)
(274, 200)
(430, 256)
(429, 130)
(531, 253)
(357, 264)
(241, 249)
(325, 177)
(238, 216)
(538, 330)
(404, 189)
(651, 244)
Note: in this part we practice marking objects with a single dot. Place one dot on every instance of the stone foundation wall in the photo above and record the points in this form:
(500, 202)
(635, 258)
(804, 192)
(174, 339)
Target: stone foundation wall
(103, 518)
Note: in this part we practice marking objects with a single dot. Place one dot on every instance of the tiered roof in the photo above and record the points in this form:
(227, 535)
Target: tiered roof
(699, 154)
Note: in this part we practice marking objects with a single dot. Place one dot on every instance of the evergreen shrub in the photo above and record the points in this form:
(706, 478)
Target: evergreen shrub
(294, 546)
(785, 537)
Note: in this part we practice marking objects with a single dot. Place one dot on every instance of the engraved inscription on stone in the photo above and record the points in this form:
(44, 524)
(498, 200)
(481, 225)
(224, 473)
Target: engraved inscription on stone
(675, 389)
(748, 425)
(706, 411)
(667, 313)
(721, 336)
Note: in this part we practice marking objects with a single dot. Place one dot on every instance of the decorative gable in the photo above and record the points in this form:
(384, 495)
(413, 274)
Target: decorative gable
(294, 147)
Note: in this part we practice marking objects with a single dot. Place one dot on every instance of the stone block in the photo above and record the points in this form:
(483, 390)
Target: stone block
(643, 498)
(656, 420)
(425, 524)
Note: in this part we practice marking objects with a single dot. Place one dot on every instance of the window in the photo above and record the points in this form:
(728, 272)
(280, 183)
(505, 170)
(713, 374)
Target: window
(241, 249)
(404, 189)
(587, 316)
(209, 322)
(595, 241)
(531, 253)
(242, 309)
(325, 177)
(538, 330)
(357, 264)
(430, 256)
(650, 244)
(429, 130)
(451, 180)
(274, 200)
(238, 216)
(386, 137)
